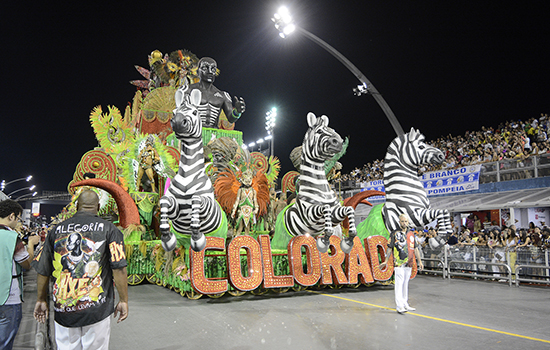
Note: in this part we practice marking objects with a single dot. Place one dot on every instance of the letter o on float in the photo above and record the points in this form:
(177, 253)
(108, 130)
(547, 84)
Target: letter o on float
(254, 262)
(313, 260)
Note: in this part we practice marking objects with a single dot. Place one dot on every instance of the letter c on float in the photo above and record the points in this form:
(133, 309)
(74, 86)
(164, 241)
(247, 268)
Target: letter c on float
(200, 283)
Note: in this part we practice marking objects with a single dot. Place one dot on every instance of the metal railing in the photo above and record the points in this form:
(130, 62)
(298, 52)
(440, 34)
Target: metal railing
(515, 169)
(529, 269)
(478, 274)
(434, 266)
(529, 264)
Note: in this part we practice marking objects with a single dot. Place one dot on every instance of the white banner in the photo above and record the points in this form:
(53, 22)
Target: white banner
(451, 181)
(439, 182)
(376, 185)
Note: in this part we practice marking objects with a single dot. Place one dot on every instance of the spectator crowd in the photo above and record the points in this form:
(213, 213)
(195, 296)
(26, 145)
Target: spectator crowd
(510, 140)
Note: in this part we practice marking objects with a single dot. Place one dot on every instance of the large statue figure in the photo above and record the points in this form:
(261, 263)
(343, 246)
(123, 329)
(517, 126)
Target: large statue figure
(213, 100)
(404, 191)
(317, 208)
(189, 201)
(245, 208)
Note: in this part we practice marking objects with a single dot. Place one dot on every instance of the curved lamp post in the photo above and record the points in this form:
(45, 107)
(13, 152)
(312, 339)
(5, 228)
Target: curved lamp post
(22, 189)
(26, 196)
(285, 24)
(3, 184)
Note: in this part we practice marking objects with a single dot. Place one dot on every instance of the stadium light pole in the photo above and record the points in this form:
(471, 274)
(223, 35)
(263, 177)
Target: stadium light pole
(3, 184)
(30, 188)
(270, 118)
(285, 24)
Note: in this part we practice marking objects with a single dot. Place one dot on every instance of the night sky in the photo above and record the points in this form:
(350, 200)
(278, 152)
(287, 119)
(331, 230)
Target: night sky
(443, 67)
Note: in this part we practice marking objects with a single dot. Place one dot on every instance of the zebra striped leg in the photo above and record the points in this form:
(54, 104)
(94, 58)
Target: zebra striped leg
(426, 216)
(168, 239)
(323, 242)
(444, 220)
(198, 239)
(347, 243)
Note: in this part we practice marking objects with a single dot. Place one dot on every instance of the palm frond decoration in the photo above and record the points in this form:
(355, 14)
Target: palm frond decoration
(273, 170)
(113, 132)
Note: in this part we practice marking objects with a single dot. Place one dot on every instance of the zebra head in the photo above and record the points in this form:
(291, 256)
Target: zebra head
(415, 152)
(186, 121)
(320, 142)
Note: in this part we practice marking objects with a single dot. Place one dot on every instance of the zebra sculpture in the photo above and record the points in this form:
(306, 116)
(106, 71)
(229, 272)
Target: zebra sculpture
(404, 190)
(317, 207)
(189, 201)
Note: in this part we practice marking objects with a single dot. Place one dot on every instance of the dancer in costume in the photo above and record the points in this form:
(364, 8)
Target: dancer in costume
(246, 205)
(148, 157)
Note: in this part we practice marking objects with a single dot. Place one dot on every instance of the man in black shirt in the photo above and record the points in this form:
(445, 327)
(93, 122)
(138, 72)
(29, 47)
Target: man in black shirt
(84, 254)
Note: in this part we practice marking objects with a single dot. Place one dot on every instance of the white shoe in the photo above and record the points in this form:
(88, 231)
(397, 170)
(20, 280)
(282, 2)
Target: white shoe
(401, 311)
(408, 308)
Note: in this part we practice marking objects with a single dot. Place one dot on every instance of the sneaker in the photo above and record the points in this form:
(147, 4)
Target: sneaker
(409, 308)
(401, 311)
(503, 281)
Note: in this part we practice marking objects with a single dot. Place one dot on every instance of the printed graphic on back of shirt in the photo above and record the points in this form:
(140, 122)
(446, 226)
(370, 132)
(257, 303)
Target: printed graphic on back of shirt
(77, 273)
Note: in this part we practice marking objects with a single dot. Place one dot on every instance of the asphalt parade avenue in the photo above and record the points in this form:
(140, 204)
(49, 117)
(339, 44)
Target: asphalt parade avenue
(451, 314)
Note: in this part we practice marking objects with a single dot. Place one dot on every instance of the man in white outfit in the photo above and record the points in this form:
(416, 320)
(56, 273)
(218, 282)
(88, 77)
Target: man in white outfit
(401, 246)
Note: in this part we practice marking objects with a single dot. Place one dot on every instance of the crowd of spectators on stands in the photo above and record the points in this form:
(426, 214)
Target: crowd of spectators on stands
(510, 140)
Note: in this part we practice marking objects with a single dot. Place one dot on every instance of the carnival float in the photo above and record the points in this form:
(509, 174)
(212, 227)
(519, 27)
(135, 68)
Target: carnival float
(201, 215)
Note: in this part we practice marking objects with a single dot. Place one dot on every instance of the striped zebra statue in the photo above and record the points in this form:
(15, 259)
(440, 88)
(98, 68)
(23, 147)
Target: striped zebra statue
(189, 201)
(317, 208)
(404, 191)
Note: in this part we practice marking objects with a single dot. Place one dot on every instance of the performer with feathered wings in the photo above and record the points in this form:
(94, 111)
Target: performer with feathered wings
(244, 200)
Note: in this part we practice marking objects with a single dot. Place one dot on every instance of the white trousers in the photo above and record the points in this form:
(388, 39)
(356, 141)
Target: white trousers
(402, 277)
(92, 337)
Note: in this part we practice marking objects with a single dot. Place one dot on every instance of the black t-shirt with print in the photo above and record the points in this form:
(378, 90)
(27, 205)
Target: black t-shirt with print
(80, 254)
